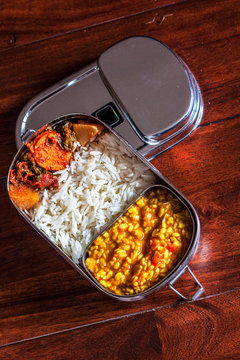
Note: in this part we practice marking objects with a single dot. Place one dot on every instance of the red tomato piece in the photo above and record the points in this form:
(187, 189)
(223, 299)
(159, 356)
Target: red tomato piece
(157, 259)
(171, 247)
(45, 181)
(154, 243)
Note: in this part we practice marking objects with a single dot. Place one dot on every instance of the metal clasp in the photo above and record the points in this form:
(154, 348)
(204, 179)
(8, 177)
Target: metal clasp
(27, 134)
(196, 294)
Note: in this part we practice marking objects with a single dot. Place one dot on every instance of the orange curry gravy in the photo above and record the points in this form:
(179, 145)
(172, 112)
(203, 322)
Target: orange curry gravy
(143, 245)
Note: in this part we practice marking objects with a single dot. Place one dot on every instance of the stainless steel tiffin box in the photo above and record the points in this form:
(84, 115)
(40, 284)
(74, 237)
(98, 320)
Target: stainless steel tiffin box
(144, 94)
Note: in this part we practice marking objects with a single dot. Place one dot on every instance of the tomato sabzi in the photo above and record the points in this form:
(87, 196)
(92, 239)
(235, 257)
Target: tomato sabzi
(49, 151)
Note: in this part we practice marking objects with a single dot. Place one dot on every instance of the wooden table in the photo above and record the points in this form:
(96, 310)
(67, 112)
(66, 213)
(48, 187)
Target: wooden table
(47, 310)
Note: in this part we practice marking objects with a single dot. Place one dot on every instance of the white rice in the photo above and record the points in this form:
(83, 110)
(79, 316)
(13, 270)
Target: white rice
(93, 190)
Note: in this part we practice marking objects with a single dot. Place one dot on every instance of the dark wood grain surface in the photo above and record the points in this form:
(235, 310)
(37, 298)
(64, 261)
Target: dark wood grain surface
(47, 310)
(207, 329)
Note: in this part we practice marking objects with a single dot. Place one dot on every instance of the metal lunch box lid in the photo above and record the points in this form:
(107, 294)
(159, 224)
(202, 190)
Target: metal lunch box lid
(138, 86)
(149, 82)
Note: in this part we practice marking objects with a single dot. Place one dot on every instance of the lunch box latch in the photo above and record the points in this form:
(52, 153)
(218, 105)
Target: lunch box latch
(196, 294)
(27, 134)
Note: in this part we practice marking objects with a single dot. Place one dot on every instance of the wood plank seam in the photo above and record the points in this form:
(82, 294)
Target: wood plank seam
(84, 28)
(80, 327)
(180, 302)
(219, 120)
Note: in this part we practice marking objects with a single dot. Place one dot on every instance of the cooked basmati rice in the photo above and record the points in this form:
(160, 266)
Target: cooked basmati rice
(96, 186)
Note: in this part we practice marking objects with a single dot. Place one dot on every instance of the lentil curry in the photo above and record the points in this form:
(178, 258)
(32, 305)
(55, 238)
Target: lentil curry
(143, 245)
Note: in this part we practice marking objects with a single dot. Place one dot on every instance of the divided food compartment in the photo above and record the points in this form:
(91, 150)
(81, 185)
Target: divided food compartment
(161, 182)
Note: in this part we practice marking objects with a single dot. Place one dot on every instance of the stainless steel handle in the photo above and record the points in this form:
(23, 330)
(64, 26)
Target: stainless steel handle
(196, 294)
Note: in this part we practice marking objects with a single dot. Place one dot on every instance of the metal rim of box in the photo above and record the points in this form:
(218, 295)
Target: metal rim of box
(181, 266)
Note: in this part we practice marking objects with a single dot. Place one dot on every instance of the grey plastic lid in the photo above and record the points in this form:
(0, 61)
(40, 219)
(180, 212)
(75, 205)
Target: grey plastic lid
(150, 83)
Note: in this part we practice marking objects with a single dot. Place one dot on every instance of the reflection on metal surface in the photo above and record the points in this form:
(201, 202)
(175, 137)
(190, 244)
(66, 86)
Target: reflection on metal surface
(153, 90)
